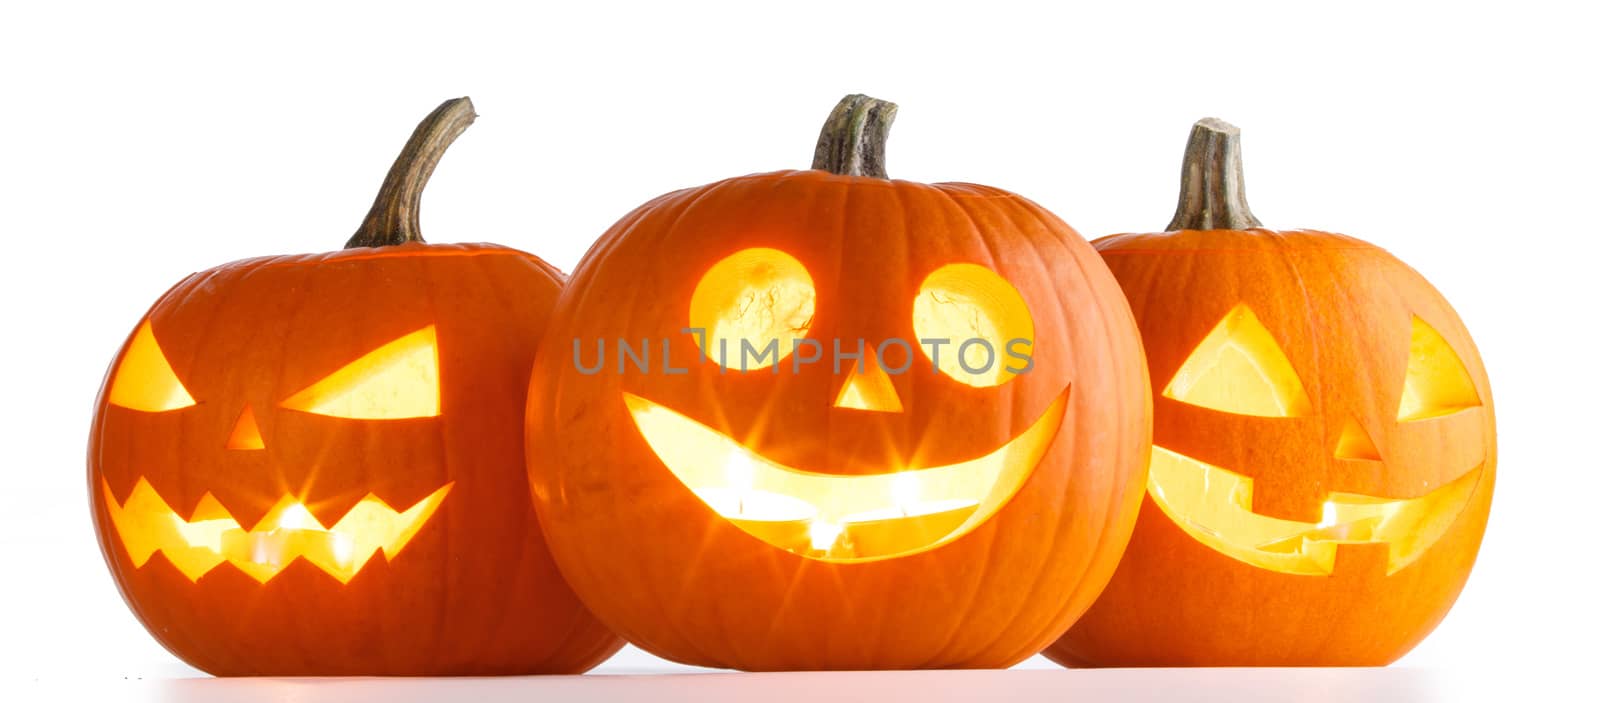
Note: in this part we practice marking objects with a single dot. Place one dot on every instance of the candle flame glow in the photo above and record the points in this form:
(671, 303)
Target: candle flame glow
(940, 503)
(1330, 515)
(824, 535)
(905, 491)
(740, 471)
(296, 517)
(343, 549)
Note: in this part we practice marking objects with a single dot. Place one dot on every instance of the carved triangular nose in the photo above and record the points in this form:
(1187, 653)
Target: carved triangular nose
(245, 434)
(868, 387)
(1356, 443)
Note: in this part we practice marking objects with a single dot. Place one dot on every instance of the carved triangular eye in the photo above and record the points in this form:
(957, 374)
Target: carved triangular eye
(1238, 368)
(1437, 382)
(144, 380)
(396, 381)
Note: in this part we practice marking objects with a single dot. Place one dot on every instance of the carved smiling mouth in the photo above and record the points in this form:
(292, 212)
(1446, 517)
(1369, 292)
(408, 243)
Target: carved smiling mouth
(841, 518)
(1213, 505)
(287, 532)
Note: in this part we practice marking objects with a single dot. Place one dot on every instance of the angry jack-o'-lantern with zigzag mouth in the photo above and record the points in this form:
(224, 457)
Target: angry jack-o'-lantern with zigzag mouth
(312, 465)
(853, 496)
(1324, 444)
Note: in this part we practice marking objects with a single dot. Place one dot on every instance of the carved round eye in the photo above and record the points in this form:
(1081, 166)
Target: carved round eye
(396, 381)
(144, 380)
(750, 309)
(973, 325)
(1238, 368)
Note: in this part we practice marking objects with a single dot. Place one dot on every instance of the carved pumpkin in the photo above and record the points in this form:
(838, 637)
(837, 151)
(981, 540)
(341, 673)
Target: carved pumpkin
(1324, 444)
(312, 465)
(745, 455)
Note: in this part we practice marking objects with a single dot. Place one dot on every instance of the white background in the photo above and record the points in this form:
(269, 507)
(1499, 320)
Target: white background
(145, 142)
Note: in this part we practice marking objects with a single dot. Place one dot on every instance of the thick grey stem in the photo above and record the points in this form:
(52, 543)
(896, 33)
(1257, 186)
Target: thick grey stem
(395, 217)
(853, 138)
(1212, 192)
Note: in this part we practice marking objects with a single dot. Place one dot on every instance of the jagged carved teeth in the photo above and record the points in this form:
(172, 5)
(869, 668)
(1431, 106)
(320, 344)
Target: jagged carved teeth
(211, 536)
(1214, 505)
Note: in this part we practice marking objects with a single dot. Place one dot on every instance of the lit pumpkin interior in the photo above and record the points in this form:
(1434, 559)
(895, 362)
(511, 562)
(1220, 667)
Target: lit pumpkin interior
(1213, 505)
(748, 302)
(864, 389)
(1437, 383)
(960, 302)
(1239, 368)
(841, 518)
(398, 380)
(754, 307)
(144, 380)
(210, 536)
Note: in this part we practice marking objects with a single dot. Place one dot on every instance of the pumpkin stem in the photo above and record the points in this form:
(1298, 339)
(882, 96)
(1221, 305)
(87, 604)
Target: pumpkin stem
(1212, 193)
(395, 214)
(852, 140)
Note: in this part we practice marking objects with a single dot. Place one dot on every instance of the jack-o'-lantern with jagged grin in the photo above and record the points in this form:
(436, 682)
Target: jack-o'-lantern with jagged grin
(313, 465)
(827, 420)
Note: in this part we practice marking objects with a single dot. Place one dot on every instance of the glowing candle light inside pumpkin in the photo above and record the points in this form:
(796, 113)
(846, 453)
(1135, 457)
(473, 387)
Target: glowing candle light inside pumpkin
(912, 520)
(741, 473)
(343, 549)
(260, 552)
(824, 535)
(904, 491)
(296, 517)
(1330, 514)
(906, 494)
(774, 517)
(739, 499)
(776, 503)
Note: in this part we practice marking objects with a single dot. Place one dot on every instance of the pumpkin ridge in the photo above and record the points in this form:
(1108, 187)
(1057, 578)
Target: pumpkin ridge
(1066, 603)
(1111, 508)
(471, 595)
(630, 536)
(1342, 310)
(666, 231)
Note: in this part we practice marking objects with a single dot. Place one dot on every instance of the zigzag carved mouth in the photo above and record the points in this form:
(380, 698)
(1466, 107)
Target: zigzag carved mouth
(288, 532)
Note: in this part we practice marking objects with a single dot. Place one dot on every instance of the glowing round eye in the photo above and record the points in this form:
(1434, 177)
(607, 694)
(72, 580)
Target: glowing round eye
(973, 325)
(750, 308)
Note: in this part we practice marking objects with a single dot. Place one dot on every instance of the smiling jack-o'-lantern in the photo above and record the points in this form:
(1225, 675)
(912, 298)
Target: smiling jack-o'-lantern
(822, 419)
(1324, 439)
(312, 464)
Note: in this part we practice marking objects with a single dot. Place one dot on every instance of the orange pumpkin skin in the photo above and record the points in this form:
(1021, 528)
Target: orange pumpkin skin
(474, 591)
(675, 578)
(1342, 311)
(313, 464)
